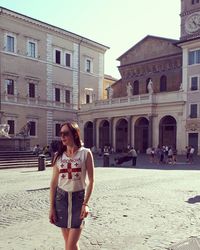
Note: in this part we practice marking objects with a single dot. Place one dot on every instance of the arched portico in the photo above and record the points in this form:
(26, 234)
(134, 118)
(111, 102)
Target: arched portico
(88, 134)
(104, 136)
(141, 134)
(167, 131)
(121, 135)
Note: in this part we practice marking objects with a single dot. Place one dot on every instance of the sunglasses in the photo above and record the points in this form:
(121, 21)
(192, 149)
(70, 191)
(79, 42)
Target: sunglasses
(64, 133)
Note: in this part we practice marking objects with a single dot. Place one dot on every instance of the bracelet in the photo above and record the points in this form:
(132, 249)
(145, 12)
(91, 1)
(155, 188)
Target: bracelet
(85, 204)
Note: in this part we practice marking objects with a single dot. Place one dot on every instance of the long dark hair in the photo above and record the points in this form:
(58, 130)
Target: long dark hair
(75, 131)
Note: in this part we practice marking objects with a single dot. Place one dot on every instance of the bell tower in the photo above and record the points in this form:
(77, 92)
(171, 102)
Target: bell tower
(190, 19)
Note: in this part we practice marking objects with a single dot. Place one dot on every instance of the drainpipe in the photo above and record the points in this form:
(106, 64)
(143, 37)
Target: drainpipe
(1, 112)
(79, 73)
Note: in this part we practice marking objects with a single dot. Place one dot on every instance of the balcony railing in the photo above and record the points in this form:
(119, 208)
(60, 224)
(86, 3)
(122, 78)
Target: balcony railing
(37, 101)
(167, 97)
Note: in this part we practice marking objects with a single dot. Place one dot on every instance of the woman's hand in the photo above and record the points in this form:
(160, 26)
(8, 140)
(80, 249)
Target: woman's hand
(52, 216)
(84, 211)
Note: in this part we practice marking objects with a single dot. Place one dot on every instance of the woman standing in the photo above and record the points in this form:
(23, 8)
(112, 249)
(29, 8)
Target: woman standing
(68, 199)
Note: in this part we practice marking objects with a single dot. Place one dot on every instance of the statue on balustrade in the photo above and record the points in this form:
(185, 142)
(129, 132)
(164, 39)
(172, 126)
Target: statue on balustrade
(181, 87)
(129, 89)
(110, 92)
(150, 87)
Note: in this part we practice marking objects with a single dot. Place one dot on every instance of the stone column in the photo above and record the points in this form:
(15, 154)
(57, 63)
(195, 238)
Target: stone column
(155, 128)
(111, 132)
(129, 119)
(150, 132)
(95, 132)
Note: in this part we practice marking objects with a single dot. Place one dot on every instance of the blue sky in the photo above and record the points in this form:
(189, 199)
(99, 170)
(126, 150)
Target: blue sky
(115, 23)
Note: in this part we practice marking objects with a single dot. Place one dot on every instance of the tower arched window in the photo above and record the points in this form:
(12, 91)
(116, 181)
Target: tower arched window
(136, 88)
(163, 83)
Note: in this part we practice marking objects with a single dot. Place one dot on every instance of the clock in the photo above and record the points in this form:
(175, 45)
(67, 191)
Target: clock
(192, 23)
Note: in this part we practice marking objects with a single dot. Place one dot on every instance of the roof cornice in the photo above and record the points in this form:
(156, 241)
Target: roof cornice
(52, 28)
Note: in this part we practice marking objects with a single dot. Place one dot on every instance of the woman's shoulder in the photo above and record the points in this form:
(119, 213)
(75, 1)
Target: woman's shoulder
(84, 149)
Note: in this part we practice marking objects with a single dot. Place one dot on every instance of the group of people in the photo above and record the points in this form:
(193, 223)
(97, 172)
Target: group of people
(162, 155)
(168, 154)
(45, 150)
(100, 151)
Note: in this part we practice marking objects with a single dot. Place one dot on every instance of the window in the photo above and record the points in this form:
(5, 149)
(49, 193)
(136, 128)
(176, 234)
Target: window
(32, 49)
(194, 57)
(87, 98)
(57, 94)
(12, 127)
(193, 111)
(88, 65)
(136, 88)
(195, 1)
(194, 83)
(10, 45)
(67, 96)
(32, 90)
(10, 86)
(57, 129)
(33, 128)
(67, 59)
(58, 56)
(163, 83)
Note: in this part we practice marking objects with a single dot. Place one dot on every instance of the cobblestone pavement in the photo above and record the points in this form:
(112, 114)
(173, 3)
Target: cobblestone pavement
(131, 209)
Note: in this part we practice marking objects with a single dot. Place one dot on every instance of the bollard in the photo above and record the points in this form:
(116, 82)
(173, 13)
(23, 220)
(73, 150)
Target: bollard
(41, 162)
(106, 160)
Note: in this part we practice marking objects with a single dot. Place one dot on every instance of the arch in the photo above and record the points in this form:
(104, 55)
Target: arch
(88, 134)
(163, 83)
(104, 129)
(167, 131)
(141, 134)
(121, 135)
(136, 87)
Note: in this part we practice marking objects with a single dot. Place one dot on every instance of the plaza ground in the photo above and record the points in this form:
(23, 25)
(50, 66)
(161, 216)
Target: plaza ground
(148, 207)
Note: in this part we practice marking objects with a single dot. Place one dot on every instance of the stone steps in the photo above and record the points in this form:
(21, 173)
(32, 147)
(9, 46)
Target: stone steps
(19, 159)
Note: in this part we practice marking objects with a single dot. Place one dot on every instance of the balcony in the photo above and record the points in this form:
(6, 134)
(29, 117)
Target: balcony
(33, 102)
(145, 99)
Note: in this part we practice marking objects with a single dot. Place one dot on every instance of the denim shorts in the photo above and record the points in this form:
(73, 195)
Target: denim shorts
(68, 208)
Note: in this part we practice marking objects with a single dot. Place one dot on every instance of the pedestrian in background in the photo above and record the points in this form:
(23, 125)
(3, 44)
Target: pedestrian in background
(68, 199)
(191, 154)
(132, 152)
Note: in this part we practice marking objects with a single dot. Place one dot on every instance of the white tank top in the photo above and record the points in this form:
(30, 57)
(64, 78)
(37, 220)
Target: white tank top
(72, 171)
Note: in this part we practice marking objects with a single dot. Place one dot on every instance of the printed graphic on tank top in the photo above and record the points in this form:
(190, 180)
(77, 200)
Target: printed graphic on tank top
(72, 171)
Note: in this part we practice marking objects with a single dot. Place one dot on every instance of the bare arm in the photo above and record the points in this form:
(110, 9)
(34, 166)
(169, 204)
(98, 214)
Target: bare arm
(90, 172)
(53, 186)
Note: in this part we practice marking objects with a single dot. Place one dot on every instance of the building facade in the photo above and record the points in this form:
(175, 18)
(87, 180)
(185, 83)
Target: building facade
(146, 108)
(190, 44)
(46, 74)
(157, 100)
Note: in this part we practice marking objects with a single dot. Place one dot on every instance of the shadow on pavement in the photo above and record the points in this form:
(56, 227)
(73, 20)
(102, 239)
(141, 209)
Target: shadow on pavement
(193, 200)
